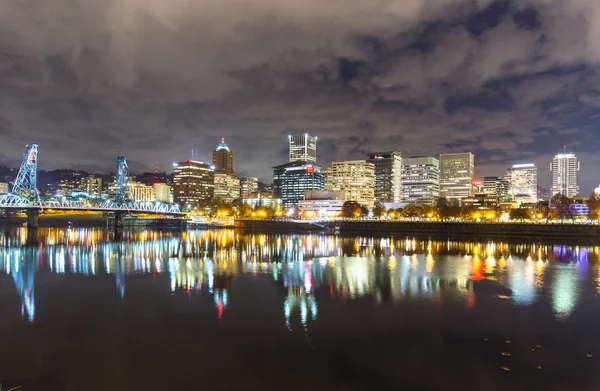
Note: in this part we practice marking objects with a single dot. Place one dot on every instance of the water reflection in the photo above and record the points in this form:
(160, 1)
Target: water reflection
(308, 268)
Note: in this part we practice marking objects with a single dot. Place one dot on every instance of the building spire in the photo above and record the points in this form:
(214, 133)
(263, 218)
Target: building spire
(222, 145)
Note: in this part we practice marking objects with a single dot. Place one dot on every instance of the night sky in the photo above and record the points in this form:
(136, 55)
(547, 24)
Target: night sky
(511, 81)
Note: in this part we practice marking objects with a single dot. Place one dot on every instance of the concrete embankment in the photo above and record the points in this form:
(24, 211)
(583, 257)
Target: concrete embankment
(433, 228)
(480, 229)
(278, 225)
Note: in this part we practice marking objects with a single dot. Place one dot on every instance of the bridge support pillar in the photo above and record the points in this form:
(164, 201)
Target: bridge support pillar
(33, 218)
(119, 220)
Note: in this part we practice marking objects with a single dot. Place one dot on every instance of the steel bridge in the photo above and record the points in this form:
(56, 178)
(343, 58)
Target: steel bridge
(25, 195)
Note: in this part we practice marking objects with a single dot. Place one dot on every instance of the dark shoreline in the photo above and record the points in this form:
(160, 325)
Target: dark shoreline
(555, 233)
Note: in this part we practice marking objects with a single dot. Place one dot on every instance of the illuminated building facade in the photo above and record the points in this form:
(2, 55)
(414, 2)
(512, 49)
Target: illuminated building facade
(193, 184)
(3, 188)
(292, 180)
(565, 174)
(356, 179)
(496, 186)
(456, 175)
(227, 187)
(223, 159)
(92, 185)
(162, 193)
(263, 198)
(421, 180)
(248, 185)
(478, 187)
(140, 192)
(523, 180)
(322, 203)
(303, 147)
(388, 176)
(328, 178)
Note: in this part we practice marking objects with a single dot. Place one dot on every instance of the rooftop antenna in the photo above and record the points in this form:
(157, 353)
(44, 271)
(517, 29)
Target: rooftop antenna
(192, 153)
(156, 167)
(565, 148)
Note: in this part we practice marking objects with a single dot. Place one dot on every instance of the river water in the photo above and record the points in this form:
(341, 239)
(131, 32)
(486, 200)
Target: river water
(227, 310)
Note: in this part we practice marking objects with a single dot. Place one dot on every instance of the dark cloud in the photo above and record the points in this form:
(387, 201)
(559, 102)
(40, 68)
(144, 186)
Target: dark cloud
(512, 81)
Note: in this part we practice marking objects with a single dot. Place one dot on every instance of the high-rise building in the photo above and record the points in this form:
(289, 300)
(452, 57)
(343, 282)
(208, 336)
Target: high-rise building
(356, 179)
(248, 185)
(421, 180)
(388, 176)
(92, 185)
(223, 159)
(141, 192)
(193, 184)
(496, 186)
(227, 187)
(456, 175)
(523, 180)
(565, 174)
(3, 188)
(292, 180)
(162, 193)
(327, 173)
(303, 147)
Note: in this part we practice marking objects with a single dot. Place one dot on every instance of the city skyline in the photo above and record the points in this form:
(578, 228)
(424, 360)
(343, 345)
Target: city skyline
(96, 87)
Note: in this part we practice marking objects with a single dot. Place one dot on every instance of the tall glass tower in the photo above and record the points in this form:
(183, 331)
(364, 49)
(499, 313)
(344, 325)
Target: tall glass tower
(303, 147)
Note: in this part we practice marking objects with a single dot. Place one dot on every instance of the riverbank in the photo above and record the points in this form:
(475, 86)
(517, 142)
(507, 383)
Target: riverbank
(431, 228)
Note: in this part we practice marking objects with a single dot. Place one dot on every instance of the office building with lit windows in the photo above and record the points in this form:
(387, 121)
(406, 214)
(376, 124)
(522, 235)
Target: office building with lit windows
(303, 147)
(292, 180)
(496, 186)
(523, 180)
(3, 188)
(421, 180)
(223, 159)
(456, 175)
(356, 179)
(565, 174)
(248, 185)
(92, 185)
(227, 187)
(388, 176)
(193, 184)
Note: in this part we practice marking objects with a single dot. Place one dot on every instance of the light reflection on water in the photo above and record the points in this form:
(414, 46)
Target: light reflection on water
(309, 267)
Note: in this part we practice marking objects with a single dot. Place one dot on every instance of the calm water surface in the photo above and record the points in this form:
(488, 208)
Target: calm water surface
(229, 310)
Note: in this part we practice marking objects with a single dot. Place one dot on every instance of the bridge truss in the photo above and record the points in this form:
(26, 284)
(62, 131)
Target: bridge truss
(25, 195)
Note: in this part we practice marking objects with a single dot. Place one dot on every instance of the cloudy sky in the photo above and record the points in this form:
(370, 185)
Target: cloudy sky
(511, 81)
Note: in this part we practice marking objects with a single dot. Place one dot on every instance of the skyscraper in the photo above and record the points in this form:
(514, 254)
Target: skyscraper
(193, 184)
(456, 175)
(565, 174)
(223, 159)
(523, 180)
(303, 147)
(356, 179)
(292, 180)
(388, 176)
(421, 180)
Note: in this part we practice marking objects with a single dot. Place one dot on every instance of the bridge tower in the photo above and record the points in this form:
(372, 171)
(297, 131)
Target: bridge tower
(26, 182)
(122, 193)
(122, 179)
